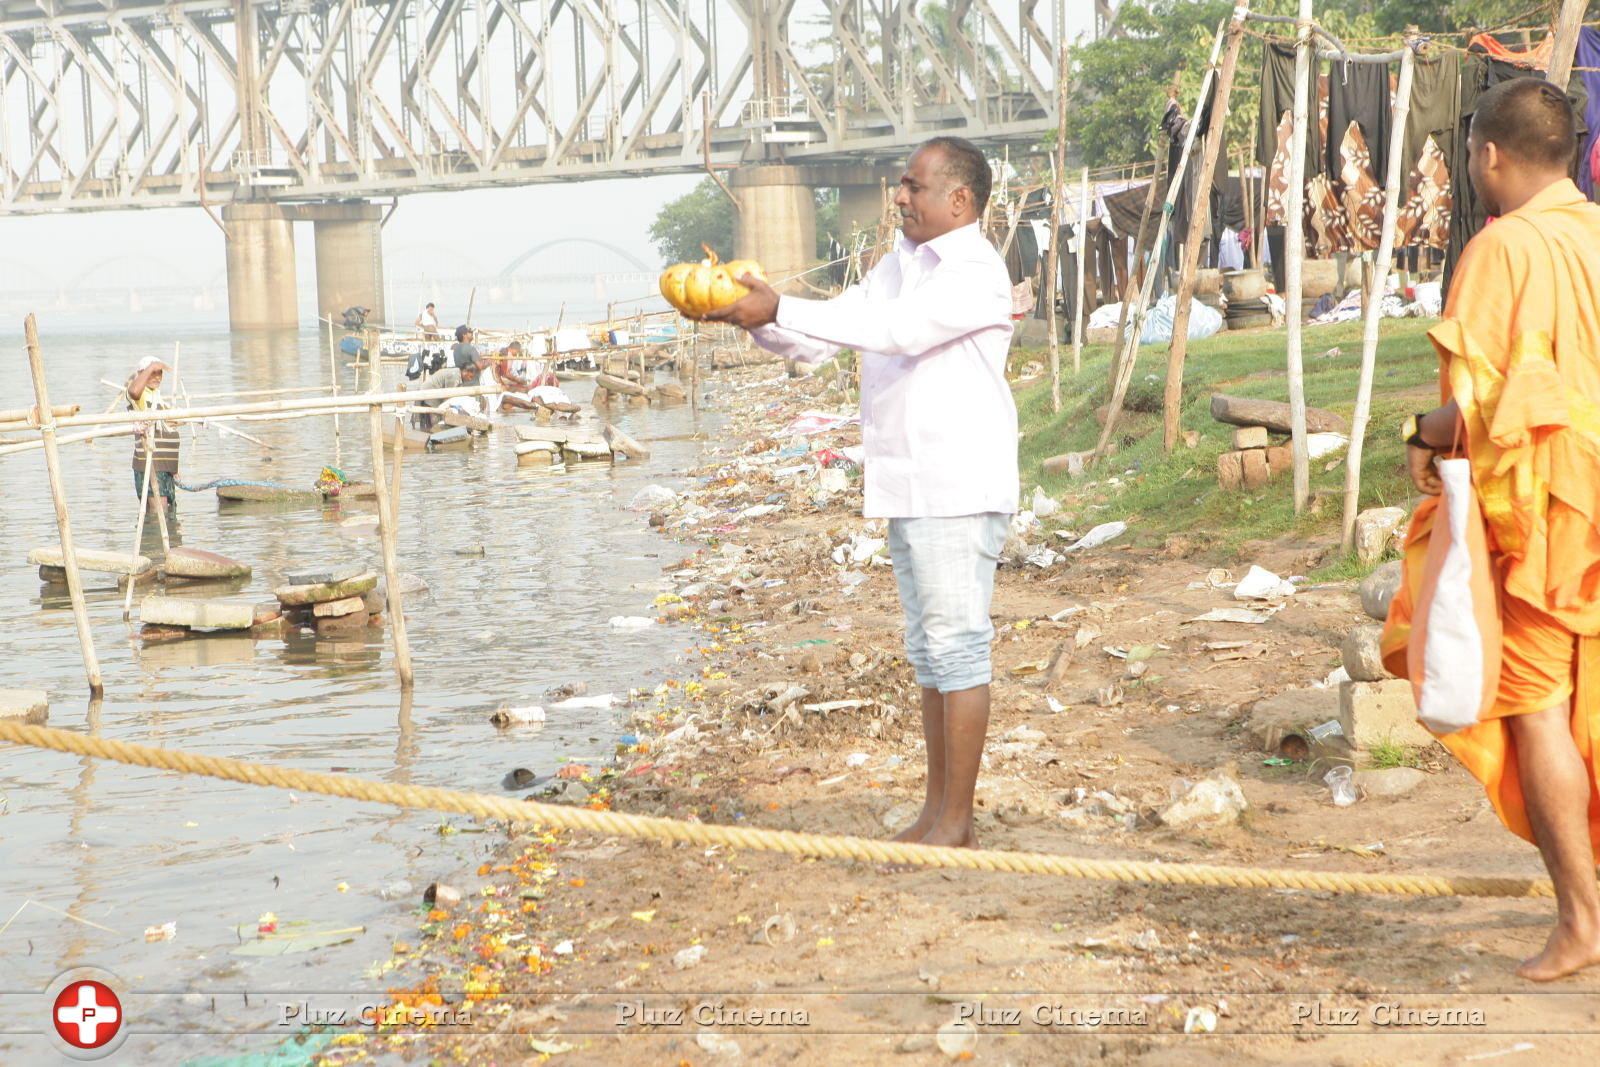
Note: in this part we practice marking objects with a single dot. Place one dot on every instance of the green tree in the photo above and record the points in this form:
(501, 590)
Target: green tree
(704, 215)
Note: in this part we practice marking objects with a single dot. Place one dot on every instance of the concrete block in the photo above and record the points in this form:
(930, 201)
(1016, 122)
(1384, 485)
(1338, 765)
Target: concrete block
(291, 596)
(1280, 460)
(1375, 527)
(29, 705)
(1253, 462)
(1372, 712)
(1362, 660)
(1230, 471)
(1250, 437)
(198, 563)
(325, 575)
(535, 457)
(328, 609)
(91, 560)
(197, 614)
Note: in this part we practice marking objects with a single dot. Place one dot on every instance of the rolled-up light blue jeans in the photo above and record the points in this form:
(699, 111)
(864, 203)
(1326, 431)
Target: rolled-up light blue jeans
(945, 570)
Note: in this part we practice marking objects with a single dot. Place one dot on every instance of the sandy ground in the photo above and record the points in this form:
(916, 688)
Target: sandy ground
(637, 952)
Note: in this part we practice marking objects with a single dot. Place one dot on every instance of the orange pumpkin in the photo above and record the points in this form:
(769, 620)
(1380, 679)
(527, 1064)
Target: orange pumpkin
(696, 289)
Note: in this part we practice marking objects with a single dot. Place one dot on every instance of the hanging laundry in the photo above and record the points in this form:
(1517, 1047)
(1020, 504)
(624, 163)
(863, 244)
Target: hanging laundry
(1424, 218)
(1435, 108)
(1362, 196)
(1359, 93)
(1327, 222)
(1277, 100)
(1278, 173)
(1588, 58)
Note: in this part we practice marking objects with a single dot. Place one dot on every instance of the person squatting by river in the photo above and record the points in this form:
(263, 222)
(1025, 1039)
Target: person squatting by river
(1519, 357)
(932, 323)
(157, 441)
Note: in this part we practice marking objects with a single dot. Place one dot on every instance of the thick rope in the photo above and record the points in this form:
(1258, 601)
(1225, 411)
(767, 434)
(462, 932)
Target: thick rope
(754, 839)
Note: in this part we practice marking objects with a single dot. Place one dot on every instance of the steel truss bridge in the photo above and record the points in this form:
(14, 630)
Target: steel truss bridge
(114, 104)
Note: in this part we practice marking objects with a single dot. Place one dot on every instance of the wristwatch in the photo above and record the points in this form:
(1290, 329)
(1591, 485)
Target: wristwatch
(1411, 431)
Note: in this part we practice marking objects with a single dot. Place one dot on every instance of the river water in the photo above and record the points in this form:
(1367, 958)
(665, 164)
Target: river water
(92, 853)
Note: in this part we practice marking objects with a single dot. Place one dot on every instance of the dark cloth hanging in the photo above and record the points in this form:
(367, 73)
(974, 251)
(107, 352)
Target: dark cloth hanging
(1480, 72)
(1277, 96)
(1176, 126)
(1275, 243)
(1588, 55)
(1359, 93)
(1127, 208)
(1435, 110)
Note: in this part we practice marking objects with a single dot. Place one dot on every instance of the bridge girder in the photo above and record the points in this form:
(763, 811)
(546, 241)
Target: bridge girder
(114, 104)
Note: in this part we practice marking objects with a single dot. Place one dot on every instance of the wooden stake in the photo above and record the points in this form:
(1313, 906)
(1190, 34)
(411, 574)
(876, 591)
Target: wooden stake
(58, 493)
(1374, 302)
(333, 373)
(1083, 250)
(1568, 23)
(1129, 346)
(1136, 275)
(1294, 251)
(1199, 220)
(138, 526)
(1052, 259)
(386, 534)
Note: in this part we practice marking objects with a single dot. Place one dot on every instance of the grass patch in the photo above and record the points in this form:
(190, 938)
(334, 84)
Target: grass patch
(1162, 494)
(1384, 754)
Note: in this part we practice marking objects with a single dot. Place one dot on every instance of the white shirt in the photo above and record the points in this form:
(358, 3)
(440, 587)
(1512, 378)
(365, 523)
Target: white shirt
(428, 320)
(932, 323)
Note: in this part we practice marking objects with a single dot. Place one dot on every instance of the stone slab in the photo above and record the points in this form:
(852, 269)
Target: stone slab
(183, 562)
(328, 609)
(577, 451)
(618, 385)
(1374, 712)
(29, 705)
(373, 601)
(279, 494)
(411, 440)
(1250, 437)
(338, 625)
(91, 560)
(549, 433)
(301, 595)
(197, 614)
(324, 575)
(94, 579)
(455, 437)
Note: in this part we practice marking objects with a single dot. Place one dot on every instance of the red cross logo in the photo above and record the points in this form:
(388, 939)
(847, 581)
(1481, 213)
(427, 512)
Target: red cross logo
(87, 1014)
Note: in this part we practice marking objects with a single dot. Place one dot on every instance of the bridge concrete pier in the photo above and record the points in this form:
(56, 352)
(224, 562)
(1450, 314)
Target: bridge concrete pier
(861, 203)
(261, 289)
(349, 248)
(776, 223)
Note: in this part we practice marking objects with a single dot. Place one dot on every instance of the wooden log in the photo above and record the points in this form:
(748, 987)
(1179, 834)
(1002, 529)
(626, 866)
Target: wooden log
(1273, 414)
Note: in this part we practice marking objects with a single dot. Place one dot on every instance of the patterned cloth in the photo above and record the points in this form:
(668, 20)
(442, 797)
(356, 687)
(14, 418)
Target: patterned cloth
(1363, 196)
(1424, 218)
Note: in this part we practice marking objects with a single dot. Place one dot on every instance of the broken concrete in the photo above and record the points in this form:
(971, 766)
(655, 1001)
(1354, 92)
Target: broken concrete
(328, 609)
(1375, 528)
(1381, 712)
(91, 560)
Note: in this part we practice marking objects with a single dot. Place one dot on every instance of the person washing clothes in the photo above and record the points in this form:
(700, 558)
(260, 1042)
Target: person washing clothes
(153, 440)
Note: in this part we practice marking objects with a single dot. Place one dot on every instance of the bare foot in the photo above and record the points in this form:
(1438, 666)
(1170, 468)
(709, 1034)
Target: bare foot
(964, 838)
(1566, 952)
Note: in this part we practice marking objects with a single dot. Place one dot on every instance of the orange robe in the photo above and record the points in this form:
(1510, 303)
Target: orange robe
(1519, 350)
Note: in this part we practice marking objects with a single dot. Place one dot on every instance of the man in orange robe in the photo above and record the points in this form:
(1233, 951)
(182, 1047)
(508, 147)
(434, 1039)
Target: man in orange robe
(1519, 353)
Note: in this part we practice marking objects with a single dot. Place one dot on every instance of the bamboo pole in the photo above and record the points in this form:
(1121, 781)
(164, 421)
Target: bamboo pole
(58, 493)
(333, 374)
(1129, 346)
(1568, 22)
(1374, 304)
(1052, 259)
(1137, 272)
(268, 407)
(1083, 247)
(24, 417)
(138, 525)
(1199, 221)
(387, 535)
(1294, 251)
(29, 446)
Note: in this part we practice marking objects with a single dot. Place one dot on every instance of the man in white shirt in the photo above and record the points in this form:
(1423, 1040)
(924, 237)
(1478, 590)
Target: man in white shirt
(428, 322)
(932, 324)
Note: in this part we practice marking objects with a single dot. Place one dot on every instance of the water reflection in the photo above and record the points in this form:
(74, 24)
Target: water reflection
(552, 556)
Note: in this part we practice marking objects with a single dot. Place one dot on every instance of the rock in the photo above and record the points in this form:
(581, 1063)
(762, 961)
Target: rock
(577, 451)
(1362, 660)
(456, 437)
(198, 563)
(338, 625)
(614, 384)
(299, 595)
(1374, 529)
(1253, 462)
(1070, 462)
(1389, 782)
(327, 575)
(266, 611)
(621, 442)
(286, 494)
(546, 434)
(901, 815)
(1372, 712)
(343, 606)
(517, 778)
(1210, 802)
(536, 451)
(29, 705)
(670, 391)
(1250, 437)
(1280, 460)
(197, 614)
(685, 958)
(1230, 471)
(1377, 589)
(373, 602)
(91, 560)
(439, 895)
(410, 440)
(1289, 717)
(1272, 414)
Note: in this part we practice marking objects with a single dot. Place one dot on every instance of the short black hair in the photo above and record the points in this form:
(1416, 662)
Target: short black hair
(430, 303)
(966, 165)
(462, 331)
(1530, 120)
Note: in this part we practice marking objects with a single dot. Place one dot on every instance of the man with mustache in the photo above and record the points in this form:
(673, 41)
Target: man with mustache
(932, 325)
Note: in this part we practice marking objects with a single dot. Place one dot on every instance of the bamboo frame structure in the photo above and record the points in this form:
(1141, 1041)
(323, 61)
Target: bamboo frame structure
(1083, 247)
(1374, 303)
(1294, 251)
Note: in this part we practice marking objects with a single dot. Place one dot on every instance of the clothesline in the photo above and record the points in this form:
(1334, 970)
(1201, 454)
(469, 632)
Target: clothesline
(1359, 57)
